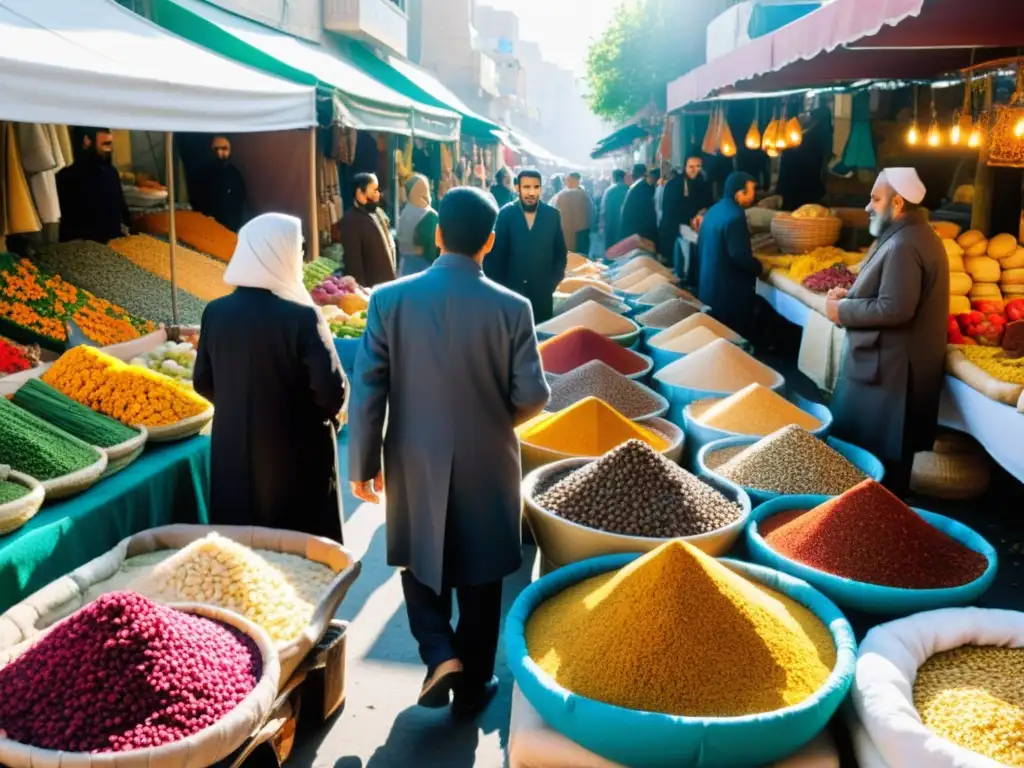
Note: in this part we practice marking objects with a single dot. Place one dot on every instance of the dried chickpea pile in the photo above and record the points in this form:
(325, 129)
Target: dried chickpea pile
(218, 571)
(974, 696)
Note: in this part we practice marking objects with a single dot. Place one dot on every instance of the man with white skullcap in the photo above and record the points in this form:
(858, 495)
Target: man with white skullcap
(887, 397)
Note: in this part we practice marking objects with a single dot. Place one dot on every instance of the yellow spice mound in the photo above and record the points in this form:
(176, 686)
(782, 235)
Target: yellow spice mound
(754, 410)
(677, 632)
(590, 427)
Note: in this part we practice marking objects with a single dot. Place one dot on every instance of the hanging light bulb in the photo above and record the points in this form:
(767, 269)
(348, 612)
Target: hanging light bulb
(934, 138)
(728, 149)
(912, 135)
(772, 152)
(794, 132)
(955, 134)
(1018, 129)
(974, 141)
(753, 140)
(768, 140)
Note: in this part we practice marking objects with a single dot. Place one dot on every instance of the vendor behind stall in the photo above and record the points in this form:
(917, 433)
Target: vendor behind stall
(887, 397)
(91, 199)
(220, 190)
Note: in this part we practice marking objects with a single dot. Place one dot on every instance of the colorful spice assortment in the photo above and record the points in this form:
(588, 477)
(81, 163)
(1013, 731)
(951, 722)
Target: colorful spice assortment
(56, 408)
(578, 346)
(792, 461)
(590, 315)
(590, 427)
(600, 380)
(754, 410)
(867, 534)
(717, 367)
(590, 293)
(128, 393)
(38, 449)
(200, 275)
(15, 358)
(689, 342)
(634, 491)
(668, 313)
(194, 229)
(677, 632)
(974, 697)
(995, 363)
(124, 673)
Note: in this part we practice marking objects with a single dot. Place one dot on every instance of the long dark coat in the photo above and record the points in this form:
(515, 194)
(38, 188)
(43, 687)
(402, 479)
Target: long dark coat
(727, 268)
(368, 253)
(529, 260)
(221, 194)
(91, 201)
(611, 214)
(451, 359)
(682, 200)
(887, 397)
(271, 371)
(639, 216)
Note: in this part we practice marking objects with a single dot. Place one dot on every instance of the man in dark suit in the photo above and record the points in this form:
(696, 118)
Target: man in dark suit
(450, 359)
(365, 230)
(611, 208)
(639, 216)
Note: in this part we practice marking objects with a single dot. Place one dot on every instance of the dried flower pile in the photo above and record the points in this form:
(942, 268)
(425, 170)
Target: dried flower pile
(194, 229)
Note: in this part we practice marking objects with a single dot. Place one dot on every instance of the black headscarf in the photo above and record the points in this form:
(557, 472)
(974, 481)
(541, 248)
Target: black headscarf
(736, 182)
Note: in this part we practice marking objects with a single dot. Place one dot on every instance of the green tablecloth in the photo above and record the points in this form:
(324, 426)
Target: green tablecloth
(167, 484)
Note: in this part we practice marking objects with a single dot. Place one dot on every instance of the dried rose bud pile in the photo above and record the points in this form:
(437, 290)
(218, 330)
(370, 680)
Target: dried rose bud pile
(124, 673)
(836, 276)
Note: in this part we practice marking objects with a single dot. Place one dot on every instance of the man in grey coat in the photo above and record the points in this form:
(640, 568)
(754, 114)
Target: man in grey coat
(887, 397)
(449, 360)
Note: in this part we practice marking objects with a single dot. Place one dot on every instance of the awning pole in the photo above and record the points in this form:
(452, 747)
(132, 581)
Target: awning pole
(314, 206)
(172, 232)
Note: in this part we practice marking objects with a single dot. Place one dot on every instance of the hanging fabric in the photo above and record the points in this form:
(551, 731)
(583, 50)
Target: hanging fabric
(39, 161)
(21, 213)
(64, 141)
(859, 152)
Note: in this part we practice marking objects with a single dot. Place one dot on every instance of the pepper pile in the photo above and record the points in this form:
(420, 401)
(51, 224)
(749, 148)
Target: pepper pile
(38, 449)
(14, 358)
(976, 327)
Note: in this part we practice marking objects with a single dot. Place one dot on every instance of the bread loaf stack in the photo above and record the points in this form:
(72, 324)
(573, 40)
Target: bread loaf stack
(983, 269)
(960, 283)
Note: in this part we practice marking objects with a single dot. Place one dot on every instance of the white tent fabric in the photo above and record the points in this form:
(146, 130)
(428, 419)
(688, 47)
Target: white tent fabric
(93, 62)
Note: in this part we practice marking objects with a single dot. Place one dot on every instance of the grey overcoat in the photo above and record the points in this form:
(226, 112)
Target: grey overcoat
(452, 358)
(887, 397)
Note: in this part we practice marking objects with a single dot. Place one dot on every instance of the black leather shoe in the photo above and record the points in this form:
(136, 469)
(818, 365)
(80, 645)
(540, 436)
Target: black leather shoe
(471, 701)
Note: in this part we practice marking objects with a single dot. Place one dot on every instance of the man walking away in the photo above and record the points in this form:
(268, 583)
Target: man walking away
(577, 212)
(611, 209)
(638, 215)
(450, 360)
(369, 249)
(529, 255)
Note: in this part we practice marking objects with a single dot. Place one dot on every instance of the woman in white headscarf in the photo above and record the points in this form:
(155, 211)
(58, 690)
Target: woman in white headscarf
(417, 226)
(267, 362)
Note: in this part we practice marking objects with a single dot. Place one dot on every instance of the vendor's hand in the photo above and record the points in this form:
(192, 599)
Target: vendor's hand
(832, 309)
(838, 293)
(369, 490)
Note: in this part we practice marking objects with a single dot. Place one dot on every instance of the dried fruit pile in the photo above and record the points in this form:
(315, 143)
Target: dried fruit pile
(37, 448)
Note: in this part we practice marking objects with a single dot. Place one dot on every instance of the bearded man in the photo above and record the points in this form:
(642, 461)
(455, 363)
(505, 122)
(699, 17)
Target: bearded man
(91, 199)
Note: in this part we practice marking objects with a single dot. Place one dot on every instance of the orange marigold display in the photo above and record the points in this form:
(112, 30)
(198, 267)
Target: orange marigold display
(194, 229)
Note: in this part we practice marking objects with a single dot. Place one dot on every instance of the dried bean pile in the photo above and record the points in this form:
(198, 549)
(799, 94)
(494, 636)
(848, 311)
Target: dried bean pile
(634, 491)
(668, 313)
(579, 346)
(600, 380)
(792, 461)
(124, 673)
(974, 696)
(867, 534)
(590, 293)
(37, 448)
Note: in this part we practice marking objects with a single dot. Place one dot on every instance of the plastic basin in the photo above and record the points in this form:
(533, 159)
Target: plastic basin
(874, 598)
(563, 542)
(680, 397)
(656, 740)
(624, 339)
(866, 462)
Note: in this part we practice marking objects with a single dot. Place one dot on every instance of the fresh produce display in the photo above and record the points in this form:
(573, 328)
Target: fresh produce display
(668, 313)
(345, 326)
(589, 293)
(43, 303)
(40, 399)
(128, 393)
(199, 275)
(37, 448)
(589, 427)
(901, 550)
(754, 410)
(677, 632)
(996, 363)
(124, 673)
(718, 367)
(343, 292)
(1014, 310)
(836, 276)
(974, 697)
(600, 380)
(194, 229)
(15, 358)
(101, 270)
(219, 571)
(792, 461)
(317, 271)
(579, 345)
(978, 327)
(176, 359)
(634, 491)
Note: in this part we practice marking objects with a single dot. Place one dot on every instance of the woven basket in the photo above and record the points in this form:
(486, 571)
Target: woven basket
(946, 476)
(121, 455)
(952, 443)
(804, 235)
(189, 427)
(15, 514)
(75, 482)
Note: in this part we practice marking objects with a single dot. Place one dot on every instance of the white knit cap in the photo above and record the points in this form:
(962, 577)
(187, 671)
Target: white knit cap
(906, 183)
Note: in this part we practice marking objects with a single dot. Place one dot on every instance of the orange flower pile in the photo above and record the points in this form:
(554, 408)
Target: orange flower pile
(42, 304)
(198, 274)
(131, 394)
(194, 229)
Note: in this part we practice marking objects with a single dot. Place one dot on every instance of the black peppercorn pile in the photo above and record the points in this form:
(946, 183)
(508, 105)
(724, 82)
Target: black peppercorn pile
(634, 491)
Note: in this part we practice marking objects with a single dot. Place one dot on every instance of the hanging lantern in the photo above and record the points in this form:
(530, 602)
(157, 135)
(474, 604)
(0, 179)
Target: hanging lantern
(913, 137)
(1006, 148)
(974, 140)
(753, 140)
(962, 124)
(794, 132)
(727, 147)
(772, 152)
(934, 138)
(768, 140)
(954, 132)
(780, 131)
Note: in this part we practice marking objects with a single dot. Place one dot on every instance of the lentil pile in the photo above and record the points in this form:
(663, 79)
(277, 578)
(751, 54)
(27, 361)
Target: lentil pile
(754, 410)
(792, 461)
(668, 313)
(124, 673)
(974, 696)
(590, 427)
(578, 346)
(689, 342)
(677, 632)
(39, 398)
(634, 491)
(717, 367)
(591, 315)
(867, 534)
(664, 292)
(590, 293)
(698, 320)
(600, 380)
(38, 449)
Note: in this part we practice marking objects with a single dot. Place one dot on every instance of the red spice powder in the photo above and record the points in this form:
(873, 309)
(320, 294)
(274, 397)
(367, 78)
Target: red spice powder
(869, 535)
(578, 346)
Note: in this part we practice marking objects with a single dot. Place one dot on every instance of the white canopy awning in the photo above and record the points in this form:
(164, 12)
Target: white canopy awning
(93, 62)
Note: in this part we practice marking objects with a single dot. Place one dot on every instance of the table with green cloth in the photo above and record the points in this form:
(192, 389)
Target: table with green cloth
(168, 484)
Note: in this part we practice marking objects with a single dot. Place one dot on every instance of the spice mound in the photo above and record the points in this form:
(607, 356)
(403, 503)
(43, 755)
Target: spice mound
(664, 292)
(698, 320)
(577, 346)
(867, 534)
(218, 571)
(677, 632)
(589, 293)
(754, 410)
(974, 696)
(792, 461)
(689, 342)
(668, 313)
(718, 367)
(649, 282)
(634, 491)
(55, 407)
(591, 315)
(600, 380)
(124, 673)
(590, 427)
(37, 448)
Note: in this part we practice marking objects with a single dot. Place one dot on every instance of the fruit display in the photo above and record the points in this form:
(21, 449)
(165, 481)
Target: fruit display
(176, 359)
(995, 266)
(318, 270)
(194, 229)
(15, 358)
(977, 327)
(341, 291)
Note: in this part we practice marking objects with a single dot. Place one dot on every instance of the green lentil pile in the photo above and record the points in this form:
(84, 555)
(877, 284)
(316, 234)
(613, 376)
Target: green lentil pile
(39, 398)
(668, 313)
(792, 461)
(634, 491)
(590, 293)
(38, 449)
(600, 380)
(11, 491)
